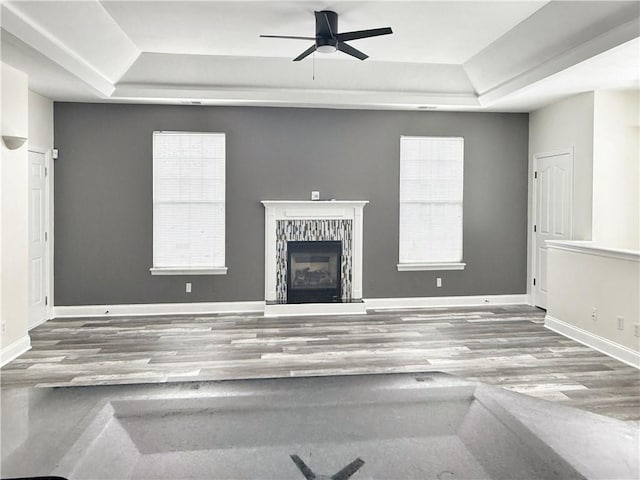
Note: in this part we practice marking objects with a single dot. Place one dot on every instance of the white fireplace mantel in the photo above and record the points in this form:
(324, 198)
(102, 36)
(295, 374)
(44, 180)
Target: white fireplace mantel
(312, 210)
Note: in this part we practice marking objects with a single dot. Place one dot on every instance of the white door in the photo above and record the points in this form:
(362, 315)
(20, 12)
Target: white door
(553, 211)
(37, 240)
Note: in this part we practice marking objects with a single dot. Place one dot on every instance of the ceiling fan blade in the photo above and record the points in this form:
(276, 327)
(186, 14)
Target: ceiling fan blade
(306, 471)
(374, 32)
(287, 36)
(349, 50)
(306, 53)
(349, 470)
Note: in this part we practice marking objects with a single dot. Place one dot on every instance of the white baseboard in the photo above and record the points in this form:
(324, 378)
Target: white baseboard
(615, 350)
(157, 309)
(14, 350)
(529, 301)
(430, 302)
(38, 323)
(285, 309)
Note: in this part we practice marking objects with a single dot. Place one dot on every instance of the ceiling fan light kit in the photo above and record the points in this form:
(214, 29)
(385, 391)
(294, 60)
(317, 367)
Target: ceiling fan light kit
(326, 45)
(328, 40)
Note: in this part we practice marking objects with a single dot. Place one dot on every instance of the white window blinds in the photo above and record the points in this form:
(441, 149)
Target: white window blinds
(431, 181)
(188, 202)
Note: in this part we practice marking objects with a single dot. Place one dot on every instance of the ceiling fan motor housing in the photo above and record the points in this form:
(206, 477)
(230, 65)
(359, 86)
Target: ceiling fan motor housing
(326, 24)
(326, 29)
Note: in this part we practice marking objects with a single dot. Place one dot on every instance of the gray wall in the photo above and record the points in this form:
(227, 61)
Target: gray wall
(103, 196)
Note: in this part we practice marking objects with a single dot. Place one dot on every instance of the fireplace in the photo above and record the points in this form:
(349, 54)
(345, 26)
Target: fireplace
(314, 271)
(313, 221)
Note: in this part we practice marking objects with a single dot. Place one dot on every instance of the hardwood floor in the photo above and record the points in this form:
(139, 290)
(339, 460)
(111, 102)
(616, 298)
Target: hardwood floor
(506, 346)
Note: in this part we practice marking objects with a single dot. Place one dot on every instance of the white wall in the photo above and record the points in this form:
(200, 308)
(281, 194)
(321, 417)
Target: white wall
(559, 126)
(602, 127)
(580, 281)
(14, 213)
(41, 140)
(564, 124)
(616, 169)
(40, 122)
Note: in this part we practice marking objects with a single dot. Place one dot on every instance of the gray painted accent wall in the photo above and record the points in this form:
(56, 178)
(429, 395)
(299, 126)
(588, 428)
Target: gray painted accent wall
(103, 196)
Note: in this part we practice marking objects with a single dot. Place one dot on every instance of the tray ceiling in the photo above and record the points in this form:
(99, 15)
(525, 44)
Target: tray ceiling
(507, 56)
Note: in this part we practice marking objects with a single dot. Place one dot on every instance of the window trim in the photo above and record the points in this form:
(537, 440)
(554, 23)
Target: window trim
(416, 267)
(434, 266)
(188, 271)
(196, 270)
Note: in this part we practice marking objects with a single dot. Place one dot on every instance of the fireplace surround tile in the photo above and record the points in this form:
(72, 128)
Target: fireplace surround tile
(313, 231)
(313, 221)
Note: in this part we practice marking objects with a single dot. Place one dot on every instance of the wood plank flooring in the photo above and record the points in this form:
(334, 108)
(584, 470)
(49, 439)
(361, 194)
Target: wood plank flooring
(506, 346)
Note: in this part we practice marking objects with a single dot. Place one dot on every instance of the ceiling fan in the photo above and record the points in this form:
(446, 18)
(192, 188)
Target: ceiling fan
(328, 39)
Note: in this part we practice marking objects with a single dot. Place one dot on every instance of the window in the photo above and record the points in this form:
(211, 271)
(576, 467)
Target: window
(431, 174)
(188, 203)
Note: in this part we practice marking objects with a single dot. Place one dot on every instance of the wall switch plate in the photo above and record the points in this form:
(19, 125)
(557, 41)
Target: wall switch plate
(594, 314)
(636, 330)
(438, 282)
(620, 323)
(187, 287)
(315, 195)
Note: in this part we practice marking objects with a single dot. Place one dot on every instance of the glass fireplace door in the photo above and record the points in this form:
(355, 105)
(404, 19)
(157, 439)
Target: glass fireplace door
(313, 272)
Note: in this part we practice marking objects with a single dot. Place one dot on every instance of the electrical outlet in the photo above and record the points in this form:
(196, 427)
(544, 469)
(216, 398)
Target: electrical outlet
(438, 282)
(315, 195)
(187, 287)
(636, 329)
(620, 323)
(4, 327)
(594, 314)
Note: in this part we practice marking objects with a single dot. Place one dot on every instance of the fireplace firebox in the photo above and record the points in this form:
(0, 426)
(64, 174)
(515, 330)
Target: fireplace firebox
(314, 272)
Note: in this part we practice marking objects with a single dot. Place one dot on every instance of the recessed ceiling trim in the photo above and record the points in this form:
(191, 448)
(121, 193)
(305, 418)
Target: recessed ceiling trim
(606, 41)
(320, 98)
(31, 34)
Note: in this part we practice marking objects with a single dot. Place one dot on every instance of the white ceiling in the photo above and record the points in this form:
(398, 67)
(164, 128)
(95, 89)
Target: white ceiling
(478, 55)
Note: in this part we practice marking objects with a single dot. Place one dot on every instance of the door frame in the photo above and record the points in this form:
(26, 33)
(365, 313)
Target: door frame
(534, 246)
(48, 221)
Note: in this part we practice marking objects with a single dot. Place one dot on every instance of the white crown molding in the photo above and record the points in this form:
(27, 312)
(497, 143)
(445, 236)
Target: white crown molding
(601, 344)
(14, 350)
(284, 97)
(589, 49)
(17, 24)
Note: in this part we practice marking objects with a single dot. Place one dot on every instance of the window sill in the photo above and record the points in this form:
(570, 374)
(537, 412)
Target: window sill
(415, 267)
(189, 271)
